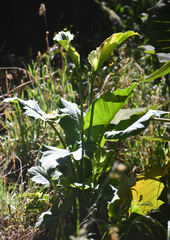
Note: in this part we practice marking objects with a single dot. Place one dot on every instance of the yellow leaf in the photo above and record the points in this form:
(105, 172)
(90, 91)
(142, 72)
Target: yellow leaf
(146, 192)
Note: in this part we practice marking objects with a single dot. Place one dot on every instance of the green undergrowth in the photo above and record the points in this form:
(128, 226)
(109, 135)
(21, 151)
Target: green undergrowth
(91, 135)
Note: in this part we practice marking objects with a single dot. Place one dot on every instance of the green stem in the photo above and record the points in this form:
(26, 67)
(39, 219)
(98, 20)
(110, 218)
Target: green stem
(81, 107)
(84, 168)
(58, 134)
(78, 215)
(91, 88)
(92, 106)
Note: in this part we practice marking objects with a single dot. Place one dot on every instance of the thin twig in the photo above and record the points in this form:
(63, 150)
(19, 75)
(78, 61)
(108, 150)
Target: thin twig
(18, 68)
(21, 85)
(6, 80)
(11, 172)
(162, 119)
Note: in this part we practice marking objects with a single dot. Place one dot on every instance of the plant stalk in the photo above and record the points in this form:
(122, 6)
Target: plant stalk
(82, 112)
(92, 106)
(58, 134)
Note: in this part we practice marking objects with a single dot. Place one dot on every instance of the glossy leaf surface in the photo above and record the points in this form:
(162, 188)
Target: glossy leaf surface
(52, 157)
(39, 175)
(136, 127)
(30, 107)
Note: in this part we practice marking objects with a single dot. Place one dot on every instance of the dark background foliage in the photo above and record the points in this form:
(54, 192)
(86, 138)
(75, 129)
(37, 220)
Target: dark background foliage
(23, 29)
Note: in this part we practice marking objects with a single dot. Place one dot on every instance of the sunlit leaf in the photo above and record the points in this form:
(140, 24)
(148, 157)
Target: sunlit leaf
(39, 175)
(52, 115)
(30, 107)
(98, 56)
(107, 106)
(163, 57)
(80, 186)
(136, 127)
(52, 156)
(135, 208)
(65, 38)
(148, 49)
(71, 121)
(105, 109)
(55, 175)
(124, 117)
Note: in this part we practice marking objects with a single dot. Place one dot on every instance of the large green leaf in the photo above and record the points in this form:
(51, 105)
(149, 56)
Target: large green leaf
(65, 38)
(71, 121)
(107, 106)
(105, 109)
(52, 156)
(136, 127)
(98, 56)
